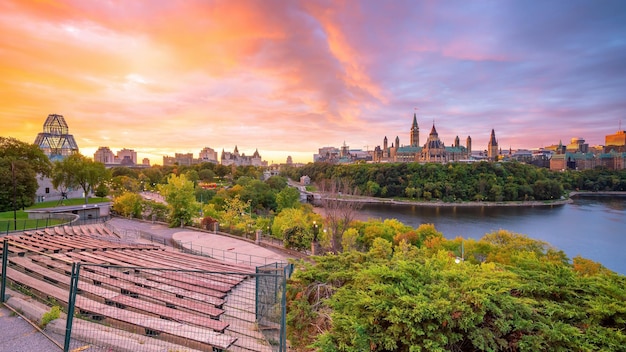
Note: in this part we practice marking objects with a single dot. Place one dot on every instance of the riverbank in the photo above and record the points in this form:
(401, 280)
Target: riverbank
(594, 194)
(440, 203)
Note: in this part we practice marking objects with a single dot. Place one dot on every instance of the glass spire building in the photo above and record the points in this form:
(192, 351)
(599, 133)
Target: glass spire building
(55, 140)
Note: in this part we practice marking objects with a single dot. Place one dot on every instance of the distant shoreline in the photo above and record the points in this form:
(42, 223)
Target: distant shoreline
(439, 203)
(602, 193)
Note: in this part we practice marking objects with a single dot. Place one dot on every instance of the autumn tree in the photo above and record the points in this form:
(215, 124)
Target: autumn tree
(407, 299)
(236, 212)
(295, 227)
(128, 204)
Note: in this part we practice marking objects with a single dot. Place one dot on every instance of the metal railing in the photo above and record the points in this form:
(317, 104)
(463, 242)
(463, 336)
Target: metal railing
(223, 255)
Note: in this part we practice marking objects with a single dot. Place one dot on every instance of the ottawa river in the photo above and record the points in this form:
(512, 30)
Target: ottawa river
(593, 227)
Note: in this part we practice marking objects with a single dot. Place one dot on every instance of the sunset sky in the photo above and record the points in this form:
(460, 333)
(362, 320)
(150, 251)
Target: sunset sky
(289, 77)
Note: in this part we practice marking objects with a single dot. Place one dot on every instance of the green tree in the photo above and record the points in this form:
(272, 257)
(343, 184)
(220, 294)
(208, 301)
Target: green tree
(102, 190)
(155, 210)
(288, 197)
(154, 176)
(79, 171)
(124, 171)
(20, 163)
(122, 183)
(277, 183)
(547, 189)
(181, 200)
(372, 188)
(206, 175)
(193, 176)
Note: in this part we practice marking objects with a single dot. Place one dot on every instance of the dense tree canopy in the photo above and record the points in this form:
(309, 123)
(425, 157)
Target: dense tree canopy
(421, 299)
(79, 171)
(20, 163)
(482, 181)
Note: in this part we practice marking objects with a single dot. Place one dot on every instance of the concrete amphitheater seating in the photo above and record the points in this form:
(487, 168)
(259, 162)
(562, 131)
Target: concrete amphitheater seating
(141, 288)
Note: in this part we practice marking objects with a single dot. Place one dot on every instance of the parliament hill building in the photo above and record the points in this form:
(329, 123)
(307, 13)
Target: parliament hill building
(433, 150)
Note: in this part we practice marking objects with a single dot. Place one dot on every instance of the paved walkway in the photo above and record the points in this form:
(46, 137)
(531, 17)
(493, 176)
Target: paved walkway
(219, 246)
(19, 336)
(227, 248)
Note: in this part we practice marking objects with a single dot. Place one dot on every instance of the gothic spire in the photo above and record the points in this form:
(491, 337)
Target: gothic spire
(492, 139)
(433, 131)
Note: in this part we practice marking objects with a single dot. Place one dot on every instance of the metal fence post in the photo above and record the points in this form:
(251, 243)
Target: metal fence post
(256, 295)
(283, 314)
(71, 303)
(5, 257)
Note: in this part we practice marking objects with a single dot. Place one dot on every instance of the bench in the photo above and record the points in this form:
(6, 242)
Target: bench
(150, 325)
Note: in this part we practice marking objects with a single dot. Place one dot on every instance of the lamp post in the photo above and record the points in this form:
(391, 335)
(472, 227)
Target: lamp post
(14, 196)
(315, 246)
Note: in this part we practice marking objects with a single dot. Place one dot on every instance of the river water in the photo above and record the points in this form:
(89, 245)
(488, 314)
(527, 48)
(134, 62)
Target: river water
(592, 226)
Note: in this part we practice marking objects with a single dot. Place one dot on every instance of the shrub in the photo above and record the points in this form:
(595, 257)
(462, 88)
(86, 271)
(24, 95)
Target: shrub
(47, 317)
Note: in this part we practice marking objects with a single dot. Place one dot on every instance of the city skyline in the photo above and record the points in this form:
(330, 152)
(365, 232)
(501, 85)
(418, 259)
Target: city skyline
(289, 77)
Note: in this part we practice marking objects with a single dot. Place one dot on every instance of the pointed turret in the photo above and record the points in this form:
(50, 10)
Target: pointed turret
(433, 131)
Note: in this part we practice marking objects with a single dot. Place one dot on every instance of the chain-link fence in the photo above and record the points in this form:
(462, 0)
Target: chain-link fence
(123, 297)
(271, 302)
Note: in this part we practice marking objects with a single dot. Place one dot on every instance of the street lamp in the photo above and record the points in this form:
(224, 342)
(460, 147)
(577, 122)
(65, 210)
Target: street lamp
(14, 196)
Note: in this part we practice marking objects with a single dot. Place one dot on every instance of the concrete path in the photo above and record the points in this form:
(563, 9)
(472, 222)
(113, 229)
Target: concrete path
(19, 336)
(219, 246)
(228, 248)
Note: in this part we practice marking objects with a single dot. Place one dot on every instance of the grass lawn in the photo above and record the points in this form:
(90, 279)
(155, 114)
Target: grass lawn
(73, 201)
(23, 223)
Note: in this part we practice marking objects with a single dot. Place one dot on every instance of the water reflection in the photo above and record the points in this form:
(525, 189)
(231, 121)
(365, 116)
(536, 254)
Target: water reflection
(593, 227)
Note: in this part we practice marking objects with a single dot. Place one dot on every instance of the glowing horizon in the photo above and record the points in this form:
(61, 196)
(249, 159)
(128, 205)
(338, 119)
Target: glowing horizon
(290, 77)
